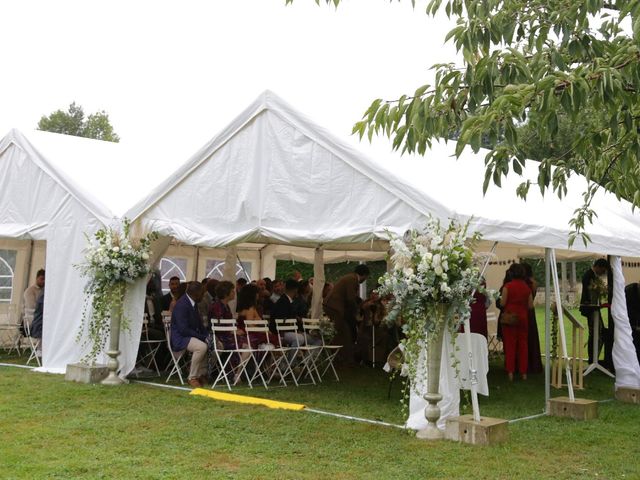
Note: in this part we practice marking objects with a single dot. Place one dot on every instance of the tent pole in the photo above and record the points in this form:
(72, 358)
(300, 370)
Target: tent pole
(318, 282)
(563, 283)
(547, 328)
(28, 271)
(473, 373)
(563, 335)
(195, 270)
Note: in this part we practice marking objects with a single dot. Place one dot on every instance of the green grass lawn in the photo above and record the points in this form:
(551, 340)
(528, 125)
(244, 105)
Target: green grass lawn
(51, 428)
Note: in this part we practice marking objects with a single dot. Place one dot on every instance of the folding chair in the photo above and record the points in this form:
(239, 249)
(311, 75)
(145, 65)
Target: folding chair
(267, 357)
(178, 359)
(148, 358)
(34, 343)
(10, 329)
(224, 356)
(329, 352)
(494, 344)
(306, 353)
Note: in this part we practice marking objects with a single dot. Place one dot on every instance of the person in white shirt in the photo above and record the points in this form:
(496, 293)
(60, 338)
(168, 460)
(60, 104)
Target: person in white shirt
(34, 292)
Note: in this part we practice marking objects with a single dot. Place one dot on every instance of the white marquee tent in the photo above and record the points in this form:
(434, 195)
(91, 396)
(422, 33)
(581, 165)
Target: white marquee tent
(271, 177)
(39, 202)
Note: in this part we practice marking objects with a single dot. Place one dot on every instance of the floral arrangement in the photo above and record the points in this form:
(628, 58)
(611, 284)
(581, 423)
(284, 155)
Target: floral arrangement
(598, 290)
(432, 279)
(327, 329)
(113, 260)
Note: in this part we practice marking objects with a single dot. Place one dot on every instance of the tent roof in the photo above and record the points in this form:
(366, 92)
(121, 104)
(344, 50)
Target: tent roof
(273, 176)
(540, 221)
(25, 186)
(107, 177)
(272, 157)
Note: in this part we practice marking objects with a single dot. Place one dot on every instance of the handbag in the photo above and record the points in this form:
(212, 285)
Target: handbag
(509, 319)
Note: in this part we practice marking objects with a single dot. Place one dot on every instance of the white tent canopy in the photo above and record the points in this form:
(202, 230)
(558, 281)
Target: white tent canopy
(60, 188)
(501, 216)
(39, 202)
(273, 176)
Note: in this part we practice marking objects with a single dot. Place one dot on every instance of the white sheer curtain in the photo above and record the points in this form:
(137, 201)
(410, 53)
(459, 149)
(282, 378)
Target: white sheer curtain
(625, 359)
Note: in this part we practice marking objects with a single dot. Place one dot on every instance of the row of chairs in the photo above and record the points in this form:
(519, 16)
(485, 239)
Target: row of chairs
(262, 363)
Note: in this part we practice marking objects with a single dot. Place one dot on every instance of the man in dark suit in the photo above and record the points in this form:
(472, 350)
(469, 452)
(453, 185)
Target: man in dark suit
(341, 306)
(172, 296)
(188, 333)
(588, 305)
(632, 293)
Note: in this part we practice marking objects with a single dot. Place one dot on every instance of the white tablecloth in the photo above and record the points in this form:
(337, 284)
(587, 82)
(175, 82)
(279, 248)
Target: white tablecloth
(450, 385)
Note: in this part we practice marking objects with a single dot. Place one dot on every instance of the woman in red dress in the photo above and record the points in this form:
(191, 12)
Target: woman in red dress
(516, 298)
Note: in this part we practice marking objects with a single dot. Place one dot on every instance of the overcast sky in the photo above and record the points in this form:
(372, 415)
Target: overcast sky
(175, 73)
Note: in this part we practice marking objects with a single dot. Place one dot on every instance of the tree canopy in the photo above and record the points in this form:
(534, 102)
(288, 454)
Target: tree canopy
(558, 73)
(73, 122)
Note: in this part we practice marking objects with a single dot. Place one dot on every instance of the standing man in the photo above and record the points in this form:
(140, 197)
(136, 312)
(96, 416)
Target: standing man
(341, 306)
(171, 297)
(188, 333)
(589, 305)
(34, 292)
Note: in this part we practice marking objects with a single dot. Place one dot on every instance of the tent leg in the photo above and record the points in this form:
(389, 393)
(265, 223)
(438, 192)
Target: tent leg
(547, 328)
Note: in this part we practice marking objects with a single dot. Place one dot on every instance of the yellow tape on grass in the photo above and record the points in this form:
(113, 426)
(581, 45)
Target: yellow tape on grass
(230, 397)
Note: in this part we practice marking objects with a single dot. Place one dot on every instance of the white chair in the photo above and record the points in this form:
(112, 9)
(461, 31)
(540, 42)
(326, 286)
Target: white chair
(307, 354)
(311, 327)
(269, 359)
(148, 357)
(34, 343)
(227, 371)
(494, 344)
(178, 359)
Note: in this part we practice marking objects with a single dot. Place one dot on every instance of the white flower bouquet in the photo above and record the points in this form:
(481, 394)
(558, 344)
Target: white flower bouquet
(431, 282)
(113, 260)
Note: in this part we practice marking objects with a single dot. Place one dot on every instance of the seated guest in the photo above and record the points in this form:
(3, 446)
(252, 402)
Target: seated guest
(277, 290)
(188, 333)
(240, 283)
(284, 309)
(34, 292)
(170, 298)
(36, 325)
(219, 309)
(264, 301)
(248, 310)
(225, 292)
(203, 305)
(151, 305)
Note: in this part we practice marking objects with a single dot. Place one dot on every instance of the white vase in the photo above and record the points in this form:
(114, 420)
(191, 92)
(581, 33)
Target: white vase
(114, 349)
(433, 396)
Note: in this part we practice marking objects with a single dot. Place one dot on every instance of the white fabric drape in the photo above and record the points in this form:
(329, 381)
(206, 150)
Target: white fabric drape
(625, 360)
(230, 265)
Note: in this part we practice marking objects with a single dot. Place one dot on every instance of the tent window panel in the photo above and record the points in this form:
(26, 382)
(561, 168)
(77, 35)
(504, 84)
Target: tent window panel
(172, 267)
(215, 269)
(7, 269)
